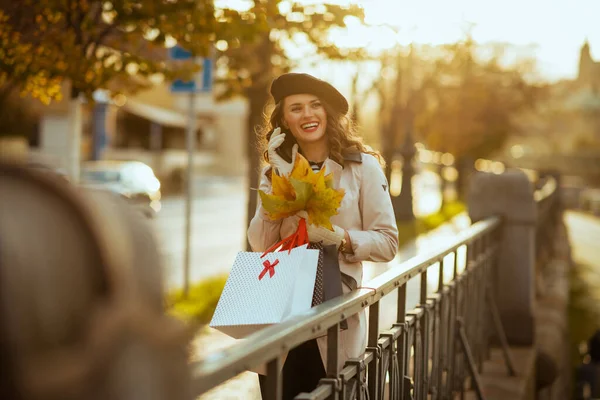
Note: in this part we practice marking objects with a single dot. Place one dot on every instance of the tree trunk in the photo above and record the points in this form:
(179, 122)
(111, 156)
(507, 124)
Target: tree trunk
(388, 151)
(396, 109)
(443, 183)
(17, 122)
(258, 96)
(465, 167)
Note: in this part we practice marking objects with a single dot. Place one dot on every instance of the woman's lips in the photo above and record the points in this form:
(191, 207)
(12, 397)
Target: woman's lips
(311, 127)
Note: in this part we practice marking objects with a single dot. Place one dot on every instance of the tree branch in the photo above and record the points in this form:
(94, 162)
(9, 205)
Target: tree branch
(91, 45)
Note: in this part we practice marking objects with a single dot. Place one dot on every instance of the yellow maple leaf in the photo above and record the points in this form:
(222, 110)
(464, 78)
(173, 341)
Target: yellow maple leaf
(282, 187)
(278, 206)
(301, 168)
(303, 190)
(317, 180)
(323, 205)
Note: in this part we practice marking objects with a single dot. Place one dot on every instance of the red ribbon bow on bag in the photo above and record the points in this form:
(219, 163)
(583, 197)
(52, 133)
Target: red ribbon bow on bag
(298, 238)
(268, 268)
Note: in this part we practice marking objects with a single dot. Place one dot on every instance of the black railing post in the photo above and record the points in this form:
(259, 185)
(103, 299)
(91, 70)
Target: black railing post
(402, 347)
(373, 336)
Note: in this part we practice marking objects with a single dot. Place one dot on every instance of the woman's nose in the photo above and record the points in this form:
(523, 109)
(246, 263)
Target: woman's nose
(308, 111)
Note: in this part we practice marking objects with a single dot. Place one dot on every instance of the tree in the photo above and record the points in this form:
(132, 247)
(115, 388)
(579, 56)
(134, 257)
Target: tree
(249, 70)
(472, 104)
(110, 44)
(99, 44)
(400, 88)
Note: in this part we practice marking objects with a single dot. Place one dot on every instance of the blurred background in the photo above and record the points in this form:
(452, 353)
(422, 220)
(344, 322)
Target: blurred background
(158, 102)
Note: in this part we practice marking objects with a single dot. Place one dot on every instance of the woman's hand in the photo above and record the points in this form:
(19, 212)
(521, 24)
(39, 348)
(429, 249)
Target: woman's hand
(315, 233)
(282, 167)
(320, 234)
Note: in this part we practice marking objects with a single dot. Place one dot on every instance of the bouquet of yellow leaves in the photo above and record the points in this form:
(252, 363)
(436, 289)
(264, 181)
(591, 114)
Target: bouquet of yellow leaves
(303, 190)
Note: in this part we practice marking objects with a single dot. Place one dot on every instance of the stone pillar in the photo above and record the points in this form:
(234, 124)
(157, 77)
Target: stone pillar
(510, 196)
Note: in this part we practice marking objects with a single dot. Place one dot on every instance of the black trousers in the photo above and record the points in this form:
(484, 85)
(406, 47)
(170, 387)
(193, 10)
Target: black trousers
(302, 370)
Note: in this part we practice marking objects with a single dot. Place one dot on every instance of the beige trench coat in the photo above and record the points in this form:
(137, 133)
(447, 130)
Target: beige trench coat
(367, 215)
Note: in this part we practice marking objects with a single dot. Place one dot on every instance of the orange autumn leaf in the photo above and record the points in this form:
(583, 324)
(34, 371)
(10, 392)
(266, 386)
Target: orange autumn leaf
(303, 190)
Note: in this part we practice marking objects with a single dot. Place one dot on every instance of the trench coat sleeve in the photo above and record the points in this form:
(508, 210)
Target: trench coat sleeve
(378, 240)
(263, 232)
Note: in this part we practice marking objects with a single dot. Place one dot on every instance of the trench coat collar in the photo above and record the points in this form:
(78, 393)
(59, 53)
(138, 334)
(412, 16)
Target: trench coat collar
(333, 167)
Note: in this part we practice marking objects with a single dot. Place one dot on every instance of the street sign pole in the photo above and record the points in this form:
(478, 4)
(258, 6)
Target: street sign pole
(191, 147)
(201, 83)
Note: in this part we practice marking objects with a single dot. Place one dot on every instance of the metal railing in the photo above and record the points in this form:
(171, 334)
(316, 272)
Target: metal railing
(429, 352)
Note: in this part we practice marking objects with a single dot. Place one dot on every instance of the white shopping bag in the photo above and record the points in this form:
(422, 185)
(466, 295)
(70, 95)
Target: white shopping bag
(262, 291)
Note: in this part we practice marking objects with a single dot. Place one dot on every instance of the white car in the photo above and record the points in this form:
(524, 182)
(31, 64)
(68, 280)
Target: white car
(133, 180)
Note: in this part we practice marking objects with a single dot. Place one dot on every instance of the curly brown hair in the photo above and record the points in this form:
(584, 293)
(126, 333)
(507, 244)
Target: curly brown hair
(341, 133)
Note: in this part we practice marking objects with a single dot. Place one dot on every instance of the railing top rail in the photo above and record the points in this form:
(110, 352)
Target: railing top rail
(270, 342)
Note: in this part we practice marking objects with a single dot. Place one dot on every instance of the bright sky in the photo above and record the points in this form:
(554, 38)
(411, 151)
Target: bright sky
(556, 28)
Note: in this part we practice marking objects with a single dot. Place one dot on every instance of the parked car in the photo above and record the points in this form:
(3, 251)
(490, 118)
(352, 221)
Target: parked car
(133, 180)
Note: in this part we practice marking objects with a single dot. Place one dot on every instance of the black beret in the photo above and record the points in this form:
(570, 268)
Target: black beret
(293, 83)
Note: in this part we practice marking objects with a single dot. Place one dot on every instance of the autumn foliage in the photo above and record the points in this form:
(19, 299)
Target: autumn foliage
(464, 98)
(117, 45)
(303, 190)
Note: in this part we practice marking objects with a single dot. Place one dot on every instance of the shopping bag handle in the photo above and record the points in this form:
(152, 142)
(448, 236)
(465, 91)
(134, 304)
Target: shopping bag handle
(298, 238)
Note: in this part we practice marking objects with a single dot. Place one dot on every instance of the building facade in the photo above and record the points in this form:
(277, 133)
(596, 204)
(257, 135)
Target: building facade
(589, 69)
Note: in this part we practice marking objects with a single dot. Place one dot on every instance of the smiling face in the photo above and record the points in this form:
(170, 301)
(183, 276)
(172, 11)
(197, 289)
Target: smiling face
(305, 116)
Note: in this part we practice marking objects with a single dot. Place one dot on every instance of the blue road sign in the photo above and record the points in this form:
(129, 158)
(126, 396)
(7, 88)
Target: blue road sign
(179, 53)
(203, 80)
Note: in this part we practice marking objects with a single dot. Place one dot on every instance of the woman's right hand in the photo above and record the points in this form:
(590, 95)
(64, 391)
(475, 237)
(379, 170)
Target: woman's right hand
(282, 167)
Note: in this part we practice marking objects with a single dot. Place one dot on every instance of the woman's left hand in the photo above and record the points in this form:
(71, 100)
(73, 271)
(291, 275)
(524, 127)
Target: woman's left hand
(315, 233)
(320, 234)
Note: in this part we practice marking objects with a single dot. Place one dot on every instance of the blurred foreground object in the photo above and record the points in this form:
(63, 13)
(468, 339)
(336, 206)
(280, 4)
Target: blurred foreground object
(81, 301)
(13, 149)
(132, 180)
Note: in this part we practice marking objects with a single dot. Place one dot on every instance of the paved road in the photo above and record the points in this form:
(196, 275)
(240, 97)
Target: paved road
(218, 226)
(584, 235)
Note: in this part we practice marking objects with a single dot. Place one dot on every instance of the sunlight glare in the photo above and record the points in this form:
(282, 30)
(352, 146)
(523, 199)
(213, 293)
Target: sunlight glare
(239, 5)
(436, 22)
(170, 41)
(357, 35)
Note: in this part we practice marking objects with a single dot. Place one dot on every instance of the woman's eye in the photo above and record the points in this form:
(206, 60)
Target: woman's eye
(316, 105)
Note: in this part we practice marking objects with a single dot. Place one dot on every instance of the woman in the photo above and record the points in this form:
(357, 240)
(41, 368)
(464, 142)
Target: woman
(313, 116)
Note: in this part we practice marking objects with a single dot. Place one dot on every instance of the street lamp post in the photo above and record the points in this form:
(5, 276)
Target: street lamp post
(404, 201)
